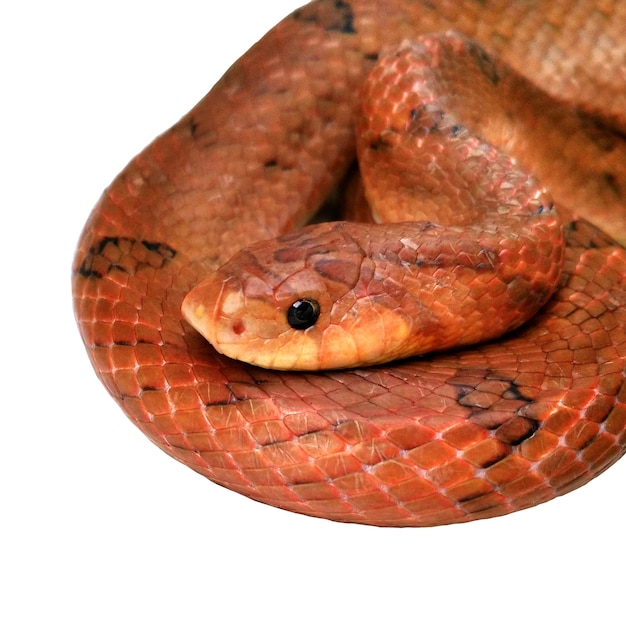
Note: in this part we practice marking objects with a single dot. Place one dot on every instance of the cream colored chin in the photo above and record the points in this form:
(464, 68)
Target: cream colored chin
(286, 352)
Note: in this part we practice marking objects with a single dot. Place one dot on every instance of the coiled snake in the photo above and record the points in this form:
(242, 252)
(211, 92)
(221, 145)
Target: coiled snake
(443, 438)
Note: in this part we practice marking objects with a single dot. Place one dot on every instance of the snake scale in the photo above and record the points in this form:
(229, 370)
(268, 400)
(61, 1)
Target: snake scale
(444, 438)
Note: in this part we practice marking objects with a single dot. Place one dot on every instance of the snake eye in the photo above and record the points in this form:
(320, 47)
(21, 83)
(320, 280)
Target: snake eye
(302, 314)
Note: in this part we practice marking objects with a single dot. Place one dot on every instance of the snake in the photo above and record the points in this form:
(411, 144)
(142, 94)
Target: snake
(443, 437)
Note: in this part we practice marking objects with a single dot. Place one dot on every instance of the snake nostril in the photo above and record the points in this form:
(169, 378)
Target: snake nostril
(239, 327)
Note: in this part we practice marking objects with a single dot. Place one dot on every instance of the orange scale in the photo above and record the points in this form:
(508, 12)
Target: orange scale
(463, 435)
(581, 433)
(279, 496)
(579, 342)
(616, 421)
(333, 507)
(571, 477)
(507, 470)
(412, 489)
(124, 311)
(353, 432)
(234, 439)
(253, 459)
(489, 504)
(217, 459)
(321, 443)
(101, 334)
(558, 356)
(103, 310)
(178, 374)
(156, 402)
(315, 491)
(265, 477)
(410, 436)
(393, 471)
(270, 431)
(392, 402)
(371, 501)
(597, 307)
(336, 465)
(578, 398)
(539, 445)
(192, 421)
(126, 382)
(232, 478)
(151, 377)
(186, 398)
(518, 488)
(212, 394)
(452, 473)
(167, 425)
(469, 490)
(146, 333)
(356, 483)
(147, 354)
(556, 462)
(305, 422)
(432, 454)
(486, 453)
(599, 449)
(529, 380)
(374, 451)
(257, 410)
(285, 453)
(542, 493)
(345, 397)
(302, 473)
(390, 516)
(561, 421)
(435, 504)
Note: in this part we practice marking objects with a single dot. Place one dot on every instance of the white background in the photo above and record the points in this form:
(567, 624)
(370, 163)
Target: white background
(97, 526)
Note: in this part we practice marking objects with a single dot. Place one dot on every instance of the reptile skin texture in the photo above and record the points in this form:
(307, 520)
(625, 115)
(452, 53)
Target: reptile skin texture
(439, 439)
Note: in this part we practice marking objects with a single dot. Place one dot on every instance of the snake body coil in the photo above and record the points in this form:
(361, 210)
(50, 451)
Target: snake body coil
(440, 439)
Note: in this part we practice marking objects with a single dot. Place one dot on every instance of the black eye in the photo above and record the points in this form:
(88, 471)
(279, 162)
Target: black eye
(302, 314)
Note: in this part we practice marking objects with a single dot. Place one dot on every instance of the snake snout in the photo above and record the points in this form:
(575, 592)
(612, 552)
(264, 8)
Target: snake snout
(207, 305)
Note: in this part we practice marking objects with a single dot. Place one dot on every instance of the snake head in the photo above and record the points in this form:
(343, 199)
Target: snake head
(336, 295)
(304, 301)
